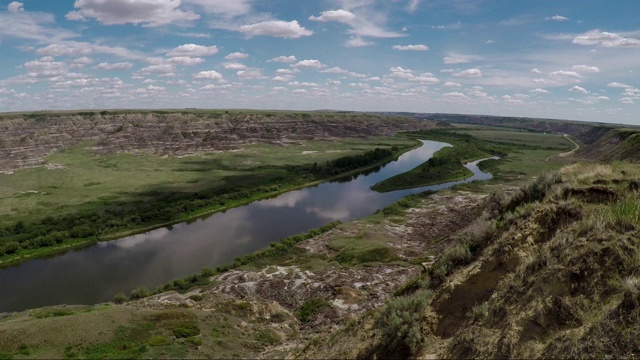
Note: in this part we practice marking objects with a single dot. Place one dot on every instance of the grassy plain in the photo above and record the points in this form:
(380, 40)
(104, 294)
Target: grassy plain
(86, 181)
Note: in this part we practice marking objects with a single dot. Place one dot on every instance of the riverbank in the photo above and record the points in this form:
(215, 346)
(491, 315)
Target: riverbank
(297, 182)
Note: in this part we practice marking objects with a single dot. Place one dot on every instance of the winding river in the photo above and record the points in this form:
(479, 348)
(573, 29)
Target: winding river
(94, 274)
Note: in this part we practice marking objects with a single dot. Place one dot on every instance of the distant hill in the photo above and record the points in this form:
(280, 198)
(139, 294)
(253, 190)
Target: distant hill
(28, 137)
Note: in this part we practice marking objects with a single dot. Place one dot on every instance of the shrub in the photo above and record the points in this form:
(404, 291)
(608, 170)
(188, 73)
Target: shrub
(243, 305)
(479, 312)
(23, 349)
(186, 330)
(196, 297)
(139, 293)
(120, 298)
(310, 308)
(11, 247)
(402, 326)
(158, 340)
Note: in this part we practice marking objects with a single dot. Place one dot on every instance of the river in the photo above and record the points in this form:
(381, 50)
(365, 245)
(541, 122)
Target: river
(96, 273)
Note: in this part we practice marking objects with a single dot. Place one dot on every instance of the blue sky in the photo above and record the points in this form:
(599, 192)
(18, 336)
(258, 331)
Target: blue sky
(562, 59)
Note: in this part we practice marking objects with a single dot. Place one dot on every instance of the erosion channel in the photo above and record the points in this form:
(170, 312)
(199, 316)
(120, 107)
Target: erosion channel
(94, 274)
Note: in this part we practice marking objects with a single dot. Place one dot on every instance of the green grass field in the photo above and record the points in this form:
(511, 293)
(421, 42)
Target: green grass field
(545, 140)
(86, 181)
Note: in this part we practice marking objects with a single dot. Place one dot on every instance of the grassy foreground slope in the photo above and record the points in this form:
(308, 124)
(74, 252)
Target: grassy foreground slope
(549, 270)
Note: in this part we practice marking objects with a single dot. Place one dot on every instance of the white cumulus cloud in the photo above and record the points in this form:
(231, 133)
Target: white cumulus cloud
(455, 95)
(309, 64)
(278, 28)
(605, 39)
(340, 15)
(250, 74)
(236, 56)
(234, 66)
(411, 47)
(470, 73)
(335, 70)
(579, 89)
(557, 18)
(15, 7)
(616, 84)
(564, 73)
(114, 66)
(118, 12)
(193, 50)
(539, 91)
(185, 60)
(585, 69)
(284, 59)
(208, 75)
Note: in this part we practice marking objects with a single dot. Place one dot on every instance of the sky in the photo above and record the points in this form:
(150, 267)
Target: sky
(563, 59)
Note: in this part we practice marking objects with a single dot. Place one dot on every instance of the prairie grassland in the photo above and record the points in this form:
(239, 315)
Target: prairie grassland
(84, 181)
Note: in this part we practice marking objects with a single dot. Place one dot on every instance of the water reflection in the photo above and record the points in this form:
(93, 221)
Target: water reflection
(96, 273)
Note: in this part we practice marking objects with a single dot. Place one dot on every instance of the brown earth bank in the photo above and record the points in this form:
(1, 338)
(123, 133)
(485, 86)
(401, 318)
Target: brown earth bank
(28, 138)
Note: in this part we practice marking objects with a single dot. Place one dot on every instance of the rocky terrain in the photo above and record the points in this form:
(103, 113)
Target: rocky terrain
(28, 138)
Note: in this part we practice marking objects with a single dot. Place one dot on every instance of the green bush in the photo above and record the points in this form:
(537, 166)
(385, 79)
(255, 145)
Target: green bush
(186, 330)
(479, 312)
(158, 340)
(139, 293)
(310, 308)
(402, 324)
(11, 247)
(197, 297)
(120, 298)
(23, 349)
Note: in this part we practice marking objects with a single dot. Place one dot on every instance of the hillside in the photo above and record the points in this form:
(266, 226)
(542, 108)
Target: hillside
(27, 138)
(547, 271)
(616, 145)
